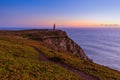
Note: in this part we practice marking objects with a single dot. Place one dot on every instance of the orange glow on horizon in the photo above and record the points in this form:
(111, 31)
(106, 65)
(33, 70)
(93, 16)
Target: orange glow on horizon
(70, 23)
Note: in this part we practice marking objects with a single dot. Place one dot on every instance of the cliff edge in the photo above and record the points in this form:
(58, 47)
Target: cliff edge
(58, 40)
(55, 39)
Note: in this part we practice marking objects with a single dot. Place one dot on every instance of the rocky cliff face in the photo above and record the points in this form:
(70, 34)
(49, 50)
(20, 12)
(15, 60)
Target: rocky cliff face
(68, 45)
(59, 41)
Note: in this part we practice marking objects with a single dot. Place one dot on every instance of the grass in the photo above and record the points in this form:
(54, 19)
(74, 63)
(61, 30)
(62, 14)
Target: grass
(101, 72)
(21, 62)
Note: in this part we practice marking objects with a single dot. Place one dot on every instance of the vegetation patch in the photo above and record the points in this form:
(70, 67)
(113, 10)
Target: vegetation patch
(21, 62)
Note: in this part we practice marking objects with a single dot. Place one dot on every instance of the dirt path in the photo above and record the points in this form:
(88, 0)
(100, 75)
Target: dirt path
(77, 72)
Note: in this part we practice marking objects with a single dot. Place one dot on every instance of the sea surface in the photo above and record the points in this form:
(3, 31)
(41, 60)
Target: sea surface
(102, 45)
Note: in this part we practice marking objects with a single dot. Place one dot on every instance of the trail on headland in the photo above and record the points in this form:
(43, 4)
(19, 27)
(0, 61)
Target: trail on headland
(77, 72)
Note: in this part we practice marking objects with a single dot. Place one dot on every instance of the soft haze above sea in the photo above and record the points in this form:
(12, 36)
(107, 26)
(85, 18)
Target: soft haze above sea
(102, 45)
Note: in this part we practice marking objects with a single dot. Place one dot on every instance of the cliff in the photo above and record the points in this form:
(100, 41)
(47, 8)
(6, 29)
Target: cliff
(62, 42)
(57, 40)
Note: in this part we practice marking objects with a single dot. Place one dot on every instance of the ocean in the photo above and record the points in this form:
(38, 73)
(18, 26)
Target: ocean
(102, 45)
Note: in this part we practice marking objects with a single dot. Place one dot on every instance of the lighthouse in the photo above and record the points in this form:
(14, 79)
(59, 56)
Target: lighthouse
(54, 27)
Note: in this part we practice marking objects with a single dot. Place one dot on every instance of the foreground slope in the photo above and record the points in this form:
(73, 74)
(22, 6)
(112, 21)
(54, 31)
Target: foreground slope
(19, 55)
(21, 62)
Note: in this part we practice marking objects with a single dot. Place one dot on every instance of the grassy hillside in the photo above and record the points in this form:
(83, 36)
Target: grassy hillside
(20, 60)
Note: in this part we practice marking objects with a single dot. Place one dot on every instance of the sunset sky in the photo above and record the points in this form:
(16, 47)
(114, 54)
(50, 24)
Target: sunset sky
(64, 13)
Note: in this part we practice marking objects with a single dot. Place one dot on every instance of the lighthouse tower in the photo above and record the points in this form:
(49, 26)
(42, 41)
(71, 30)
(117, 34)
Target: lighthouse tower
(54, 27)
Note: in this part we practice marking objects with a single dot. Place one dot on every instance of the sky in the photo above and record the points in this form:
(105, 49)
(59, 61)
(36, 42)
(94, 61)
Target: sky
(63, 13)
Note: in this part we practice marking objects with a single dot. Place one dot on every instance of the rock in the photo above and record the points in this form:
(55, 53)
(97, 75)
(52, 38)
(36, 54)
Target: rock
(66, 44)
(59, 41)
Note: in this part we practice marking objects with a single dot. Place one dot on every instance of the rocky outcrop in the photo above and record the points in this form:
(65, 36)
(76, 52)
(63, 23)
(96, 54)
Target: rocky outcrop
(59, 41)
(68, 45)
